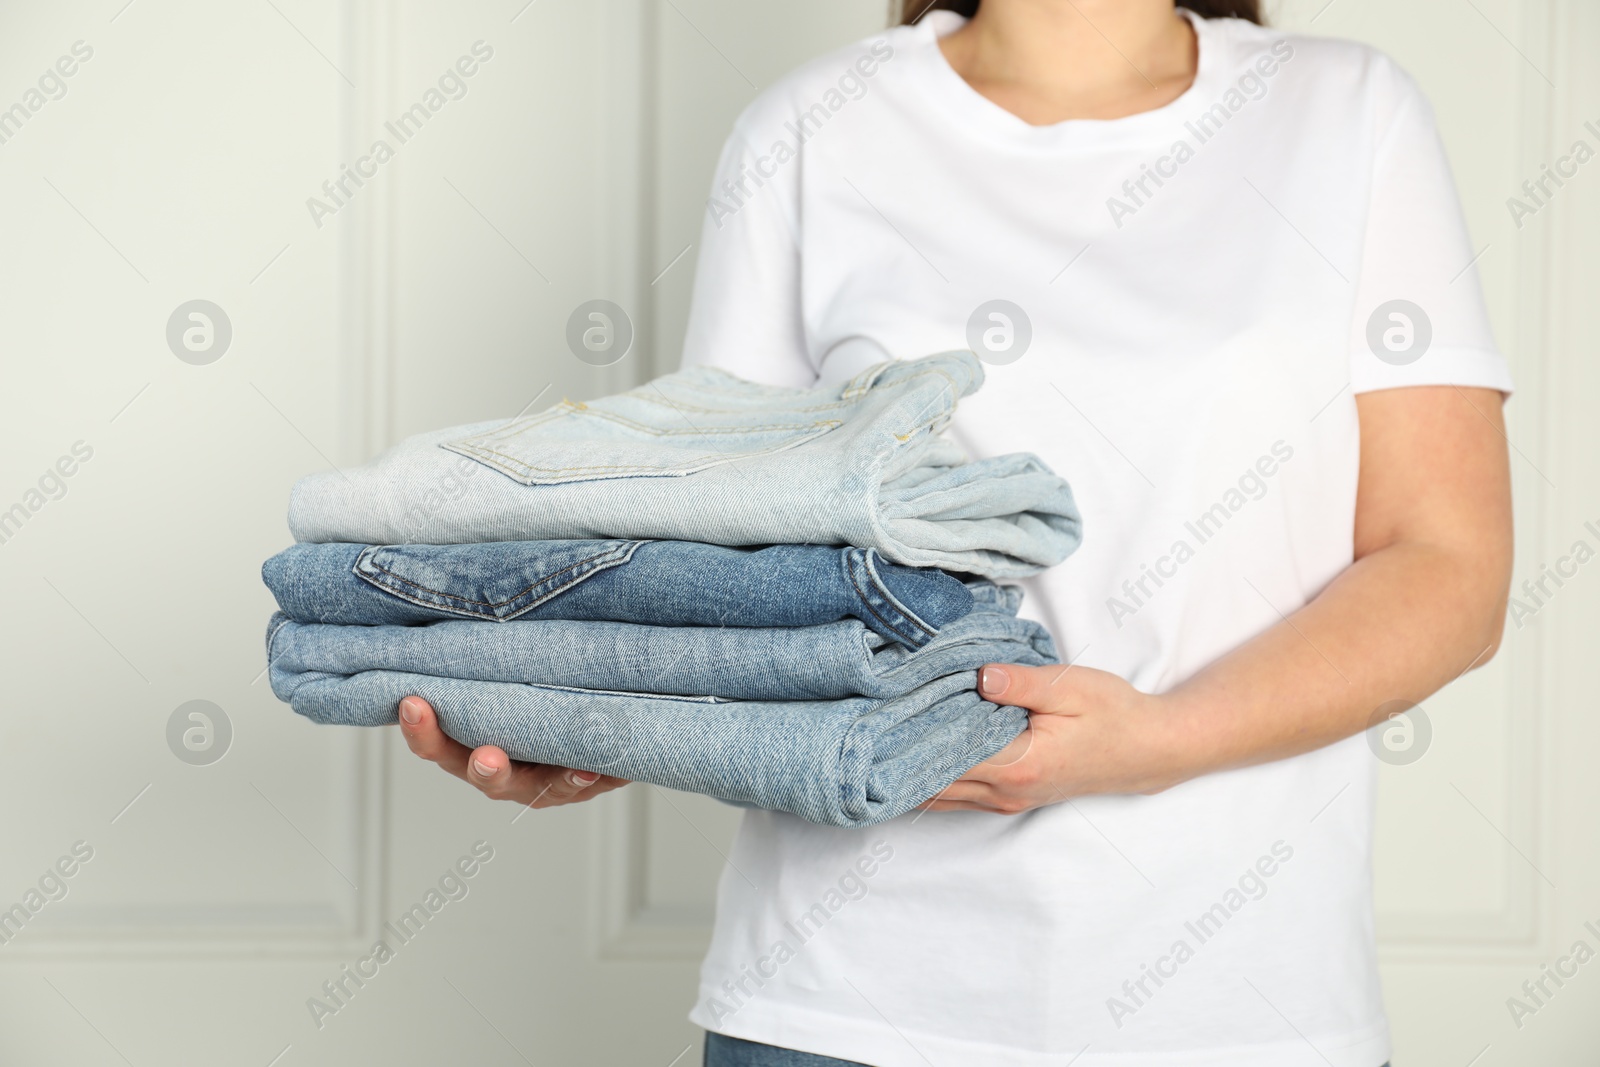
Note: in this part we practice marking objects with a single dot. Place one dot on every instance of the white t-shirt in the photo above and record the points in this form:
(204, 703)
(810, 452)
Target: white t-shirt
(1198, 283)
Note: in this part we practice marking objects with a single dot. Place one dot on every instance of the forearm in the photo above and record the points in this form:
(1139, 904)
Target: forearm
(1398, 624)
(1423, 602)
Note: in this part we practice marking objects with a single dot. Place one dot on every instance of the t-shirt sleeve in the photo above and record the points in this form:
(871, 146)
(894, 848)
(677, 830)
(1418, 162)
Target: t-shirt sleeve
(1419, 315)
(745, 315)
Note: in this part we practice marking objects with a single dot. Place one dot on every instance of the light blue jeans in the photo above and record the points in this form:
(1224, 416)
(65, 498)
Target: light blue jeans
(703, 456)
(662, 583)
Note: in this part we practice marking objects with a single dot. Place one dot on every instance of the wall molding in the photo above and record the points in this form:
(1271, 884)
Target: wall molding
(348, 923)
(628, 925)
(1521, 930)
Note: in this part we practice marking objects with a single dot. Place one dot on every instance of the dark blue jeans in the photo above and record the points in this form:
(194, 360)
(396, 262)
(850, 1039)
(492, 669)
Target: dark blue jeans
(655, 583)
(723, 1051)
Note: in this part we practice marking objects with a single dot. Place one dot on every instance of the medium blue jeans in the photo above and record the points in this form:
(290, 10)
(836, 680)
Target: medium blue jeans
(847, 761)
(851, 762)
(701, 455)
(661, 583)
(724, 1051)
(833, 661)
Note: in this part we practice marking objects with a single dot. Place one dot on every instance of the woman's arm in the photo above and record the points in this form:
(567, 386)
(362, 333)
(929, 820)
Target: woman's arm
(1424, 602)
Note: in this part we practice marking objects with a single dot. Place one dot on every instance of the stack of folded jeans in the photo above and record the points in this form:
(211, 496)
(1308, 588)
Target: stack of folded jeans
(586, 587)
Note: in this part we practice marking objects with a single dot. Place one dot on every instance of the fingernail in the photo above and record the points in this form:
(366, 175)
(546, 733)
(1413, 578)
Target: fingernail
(482, 769)
(582, 778)
(993, 681)
(410, 711)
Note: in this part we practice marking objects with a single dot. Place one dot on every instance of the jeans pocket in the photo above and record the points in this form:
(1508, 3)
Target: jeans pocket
(496, 581)
(634, 436)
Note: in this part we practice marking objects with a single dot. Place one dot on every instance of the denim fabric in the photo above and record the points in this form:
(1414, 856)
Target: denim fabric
(725, 1051)
(703, 456)
(828, 662)
(849, 763)
(663, 583)
(845, 762)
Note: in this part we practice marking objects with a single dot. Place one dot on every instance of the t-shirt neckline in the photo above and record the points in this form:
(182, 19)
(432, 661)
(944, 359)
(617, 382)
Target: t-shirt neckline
(979, 112)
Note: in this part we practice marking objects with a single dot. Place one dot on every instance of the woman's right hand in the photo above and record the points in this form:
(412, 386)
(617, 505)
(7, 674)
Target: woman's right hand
(494, 773)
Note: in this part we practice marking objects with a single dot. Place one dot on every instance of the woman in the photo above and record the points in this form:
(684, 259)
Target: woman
(1237, 313)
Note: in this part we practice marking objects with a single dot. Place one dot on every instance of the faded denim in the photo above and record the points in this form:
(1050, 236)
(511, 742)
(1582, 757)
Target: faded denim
(701, 455)
(660, 583)
(827, 662)
(851, 761)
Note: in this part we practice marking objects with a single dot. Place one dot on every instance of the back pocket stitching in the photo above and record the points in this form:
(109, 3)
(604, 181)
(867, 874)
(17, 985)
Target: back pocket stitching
(611, 557)
(623, 420)
(521, 468)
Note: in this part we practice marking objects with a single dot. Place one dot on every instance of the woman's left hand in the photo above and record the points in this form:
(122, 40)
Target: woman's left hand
(1088, 732)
